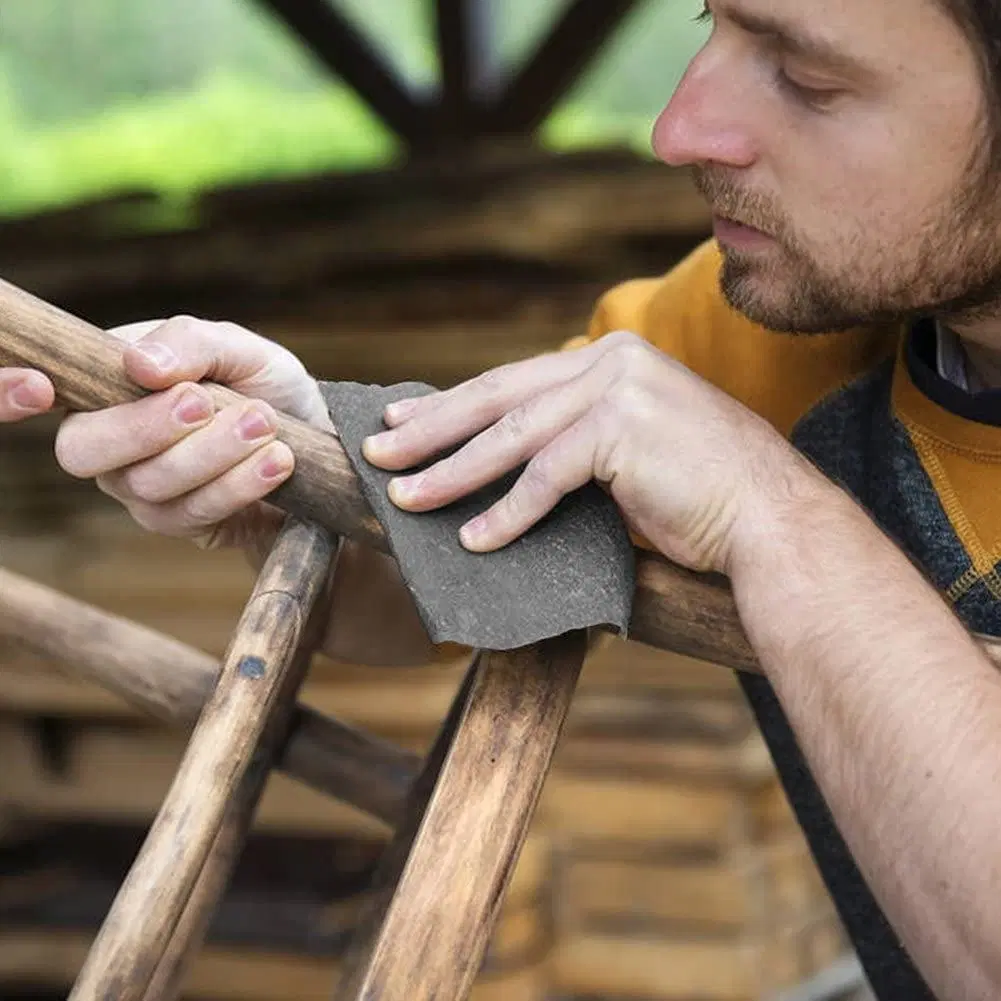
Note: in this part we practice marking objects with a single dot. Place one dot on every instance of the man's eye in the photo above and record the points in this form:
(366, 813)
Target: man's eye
(815, 97)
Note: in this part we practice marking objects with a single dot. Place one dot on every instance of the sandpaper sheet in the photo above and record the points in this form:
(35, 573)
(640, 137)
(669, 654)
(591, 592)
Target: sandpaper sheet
(573, 570)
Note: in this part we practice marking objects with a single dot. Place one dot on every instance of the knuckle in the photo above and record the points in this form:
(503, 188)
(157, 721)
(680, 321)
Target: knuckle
(233, 333)
(616, 338)
(135, 333)
(629, 398)
(513, 425)
(183, 332)
(175, 326)
(539, 479)
(625, 343)
(632, 354)
(490, 385)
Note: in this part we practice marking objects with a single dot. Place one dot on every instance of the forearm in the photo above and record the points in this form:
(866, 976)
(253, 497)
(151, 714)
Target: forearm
(899, 715)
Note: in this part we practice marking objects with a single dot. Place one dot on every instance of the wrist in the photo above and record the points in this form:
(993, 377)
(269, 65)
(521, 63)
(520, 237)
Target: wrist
(790, 500)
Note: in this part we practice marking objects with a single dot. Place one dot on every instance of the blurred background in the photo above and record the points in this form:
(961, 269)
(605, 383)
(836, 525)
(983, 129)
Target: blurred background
(394, 189)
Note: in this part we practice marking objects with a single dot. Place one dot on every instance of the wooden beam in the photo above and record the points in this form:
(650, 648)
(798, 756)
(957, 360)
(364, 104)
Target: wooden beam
(332, 38)
(463, 30)
(557, 64)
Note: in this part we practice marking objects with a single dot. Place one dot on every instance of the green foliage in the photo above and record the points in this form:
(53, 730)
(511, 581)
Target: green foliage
(230, 129)
(104, 96)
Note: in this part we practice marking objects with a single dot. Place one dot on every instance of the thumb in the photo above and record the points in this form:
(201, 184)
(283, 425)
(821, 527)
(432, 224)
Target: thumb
(163, 353)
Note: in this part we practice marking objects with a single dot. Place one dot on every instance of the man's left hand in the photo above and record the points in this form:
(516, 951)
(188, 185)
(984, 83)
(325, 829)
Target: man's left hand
(692, 470)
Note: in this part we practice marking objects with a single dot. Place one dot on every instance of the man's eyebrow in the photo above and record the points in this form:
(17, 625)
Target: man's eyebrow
(795, 41)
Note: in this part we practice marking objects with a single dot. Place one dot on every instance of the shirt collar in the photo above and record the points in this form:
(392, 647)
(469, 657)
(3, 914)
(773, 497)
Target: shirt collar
(950, 358)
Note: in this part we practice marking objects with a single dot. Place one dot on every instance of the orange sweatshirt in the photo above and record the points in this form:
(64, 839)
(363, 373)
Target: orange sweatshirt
(922, 455)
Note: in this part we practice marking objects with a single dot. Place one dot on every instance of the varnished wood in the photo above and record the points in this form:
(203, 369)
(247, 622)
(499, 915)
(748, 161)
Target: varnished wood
(433, 932)
(256, 682)
(674, 609)
(172, 681)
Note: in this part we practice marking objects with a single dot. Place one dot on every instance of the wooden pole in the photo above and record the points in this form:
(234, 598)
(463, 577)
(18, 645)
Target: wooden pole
(172, 681)
(674, 609)
(189, 933)
(236, 733)
(442, 880)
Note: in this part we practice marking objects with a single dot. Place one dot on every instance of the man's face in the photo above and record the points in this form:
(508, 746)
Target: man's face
(849, 135)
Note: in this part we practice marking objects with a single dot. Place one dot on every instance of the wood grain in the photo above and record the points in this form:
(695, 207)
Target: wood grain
(189, 932)
(172, 681)
(455, 855)
(674, 609)
(251, 701)
(48, 959)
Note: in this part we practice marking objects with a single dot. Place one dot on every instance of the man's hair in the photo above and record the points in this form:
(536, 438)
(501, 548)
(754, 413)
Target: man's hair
(980, 20)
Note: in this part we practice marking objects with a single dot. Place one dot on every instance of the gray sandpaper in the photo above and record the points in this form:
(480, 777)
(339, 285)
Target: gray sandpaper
(573, 570)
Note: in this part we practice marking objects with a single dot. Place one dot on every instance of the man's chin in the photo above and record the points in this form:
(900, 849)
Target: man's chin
(754, 291)
(777, 303)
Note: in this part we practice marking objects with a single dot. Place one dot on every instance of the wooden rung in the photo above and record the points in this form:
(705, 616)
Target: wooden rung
(231, 746)
(170, 680)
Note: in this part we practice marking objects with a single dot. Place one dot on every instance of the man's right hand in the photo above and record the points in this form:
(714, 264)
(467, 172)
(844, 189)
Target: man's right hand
(181, 469)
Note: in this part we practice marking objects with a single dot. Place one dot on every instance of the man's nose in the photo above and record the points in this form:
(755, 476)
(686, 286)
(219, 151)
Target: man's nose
(707, 118)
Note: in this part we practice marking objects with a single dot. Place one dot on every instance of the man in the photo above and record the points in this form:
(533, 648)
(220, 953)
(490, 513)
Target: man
(805, 404)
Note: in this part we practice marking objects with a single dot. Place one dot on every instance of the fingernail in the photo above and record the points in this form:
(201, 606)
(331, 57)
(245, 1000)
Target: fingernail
(254, 425)
(193, 408)
(403, 489)
(471, 534)
(376, 444)
(398, 410)
(22, 397)
(276, 463)
(158, 355)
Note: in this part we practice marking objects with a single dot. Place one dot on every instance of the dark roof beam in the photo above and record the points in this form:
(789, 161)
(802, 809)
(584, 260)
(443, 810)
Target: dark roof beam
(331, 37)
(557, 64)
(464, 30)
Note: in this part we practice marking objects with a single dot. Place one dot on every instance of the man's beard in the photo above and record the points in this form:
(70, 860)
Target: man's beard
(950, 267)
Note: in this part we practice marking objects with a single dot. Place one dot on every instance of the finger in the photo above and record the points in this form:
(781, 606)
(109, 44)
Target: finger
(185, 348)
(565, 465)
(437, 422)
(205, 508)
(512, 440)
(202, 456)
(24, 393)
(88, 444)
